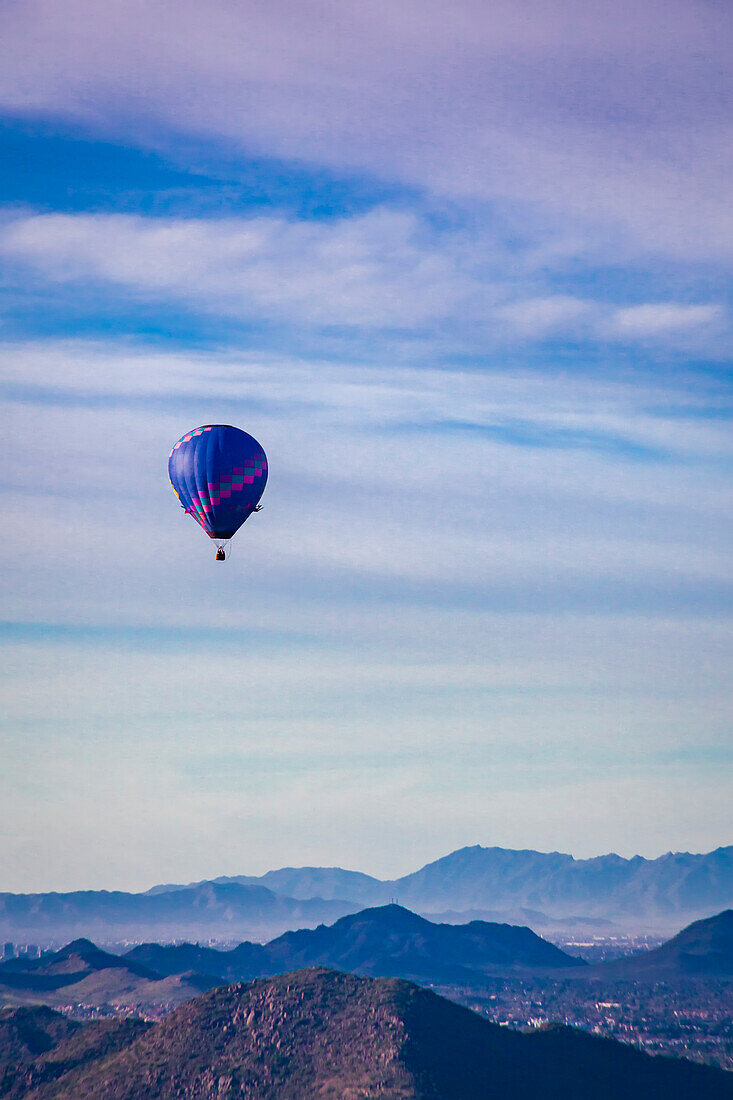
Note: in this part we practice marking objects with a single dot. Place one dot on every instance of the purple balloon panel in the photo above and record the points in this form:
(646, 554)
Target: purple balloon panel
(218, 474)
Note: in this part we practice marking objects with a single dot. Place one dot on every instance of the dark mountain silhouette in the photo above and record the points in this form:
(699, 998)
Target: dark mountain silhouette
(82, 974)
(318, 1033)
(386, 941)
(666, 892)
(242, 963)
(390, 941)
(702, 950)
(224, 911)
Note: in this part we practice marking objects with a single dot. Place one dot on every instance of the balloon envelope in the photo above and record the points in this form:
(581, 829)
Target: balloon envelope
(219, 474)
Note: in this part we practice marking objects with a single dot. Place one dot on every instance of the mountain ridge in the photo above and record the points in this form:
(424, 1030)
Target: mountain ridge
(548, 890)
(388, 941)
(555, 884)
(221, 910)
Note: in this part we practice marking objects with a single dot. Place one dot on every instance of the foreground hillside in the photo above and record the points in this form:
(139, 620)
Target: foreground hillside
(320, 1033)
(39, 1046)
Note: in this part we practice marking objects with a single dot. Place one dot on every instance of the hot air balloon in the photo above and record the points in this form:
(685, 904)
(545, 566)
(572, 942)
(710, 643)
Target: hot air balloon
(218, 474)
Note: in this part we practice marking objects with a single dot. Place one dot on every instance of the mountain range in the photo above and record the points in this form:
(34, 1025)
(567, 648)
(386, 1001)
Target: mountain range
(224, 911)
(391, 941)
(543, 890)
(538, 888)
(319, 1033)
(388, 941)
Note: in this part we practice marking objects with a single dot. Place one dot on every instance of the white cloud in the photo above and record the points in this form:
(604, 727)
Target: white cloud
(657, 319)
(589, 114)
(387, 483)
(539, 317)
(383, 271)
(545, 406)
(378, 269)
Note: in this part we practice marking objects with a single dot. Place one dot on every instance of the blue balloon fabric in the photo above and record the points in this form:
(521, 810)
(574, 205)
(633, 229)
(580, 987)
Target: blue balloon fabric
(218, 474)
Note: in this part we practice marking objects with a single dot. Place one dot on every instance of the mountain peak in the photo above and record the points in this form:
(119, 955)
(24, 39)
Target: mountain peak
(392, 913)
(392, 940)
(81, 946)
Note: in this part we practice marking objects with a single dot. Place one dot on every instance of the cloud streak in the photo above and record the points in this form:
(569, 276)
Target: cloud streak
(610, 117)
(422, 487)
(385, 270)
(372, 270)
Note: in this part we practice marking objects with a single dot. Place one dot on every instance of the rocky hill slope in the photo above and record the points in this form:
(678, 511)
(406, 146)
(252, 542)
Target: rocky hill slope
(319, 1033)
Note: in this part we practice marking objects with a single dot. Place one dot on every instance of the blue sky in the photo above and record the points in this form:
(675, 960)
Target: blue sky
(464, 270)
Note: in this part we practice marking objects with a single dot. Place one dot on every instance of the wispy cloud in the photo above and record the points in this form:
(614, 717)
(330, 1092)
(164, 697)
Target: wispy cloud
(606, 117)
(385, 270)
(448, 488)
(539, 317)
(381, 269)
(657, 319)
